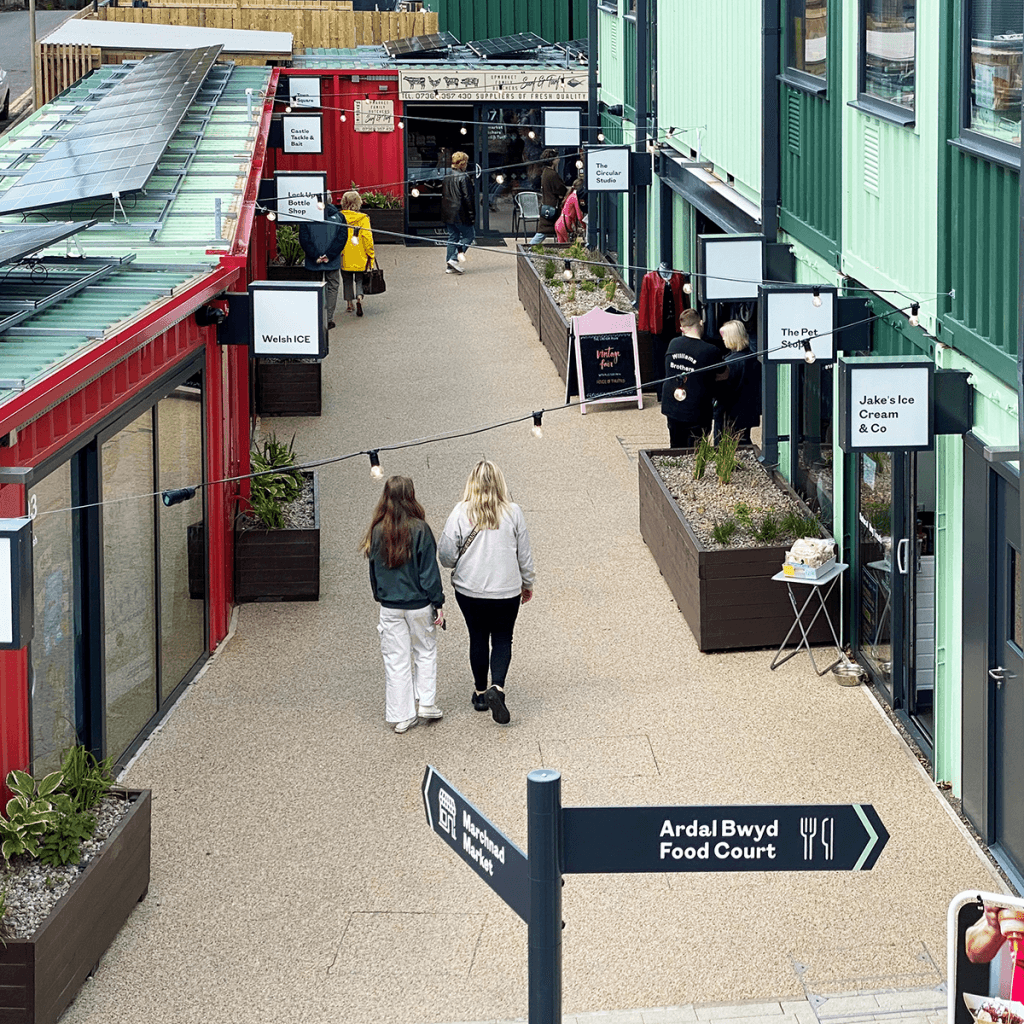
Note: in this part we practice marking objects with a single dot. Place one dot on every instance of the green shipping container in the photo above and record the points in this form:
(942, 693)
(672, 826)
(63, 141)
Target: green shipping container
(553, 20)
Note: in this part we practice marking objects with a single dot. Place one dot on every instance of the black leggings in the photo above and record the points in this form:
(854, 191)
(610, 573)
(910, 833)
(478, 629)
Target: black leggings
(490, 622)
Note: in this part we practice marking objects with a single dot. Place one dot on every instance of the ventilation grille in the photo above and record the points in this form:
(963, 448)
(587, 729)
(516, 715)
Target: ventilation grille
(794, 122)
(613, 39)
(871, 158)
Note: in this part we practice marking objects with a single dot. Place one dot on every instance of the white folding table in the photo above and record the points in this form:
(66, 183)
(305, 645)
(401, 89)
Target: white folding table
(821, 587)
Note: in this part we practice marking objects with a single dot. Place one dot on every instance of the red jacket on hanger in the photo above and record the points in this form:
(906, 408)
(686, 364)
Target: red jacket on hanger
(652, 301)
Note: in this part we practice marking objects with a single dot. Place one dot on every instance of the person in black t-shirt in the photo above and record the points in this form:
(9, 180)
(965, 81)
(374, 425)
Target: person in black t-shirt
(689, 418)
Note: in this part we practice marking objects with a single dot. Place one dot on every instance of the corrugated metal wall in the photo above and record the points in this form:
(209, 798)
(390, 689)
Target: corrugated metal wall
(709, 73)
(610, 62)
(553, 20)
(629, 67)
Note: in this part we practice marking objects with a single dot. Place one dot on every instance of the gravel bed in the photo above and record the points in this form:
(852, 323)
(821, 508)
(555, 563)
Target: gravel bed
(32, 889)
(299, 515)
(572, 297)
(707, 502)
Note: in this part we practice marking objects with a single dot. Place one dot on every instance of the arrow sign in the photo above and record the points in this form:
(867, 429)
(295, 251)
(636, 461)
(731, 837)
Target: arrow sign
(825, 837)
(494, 857)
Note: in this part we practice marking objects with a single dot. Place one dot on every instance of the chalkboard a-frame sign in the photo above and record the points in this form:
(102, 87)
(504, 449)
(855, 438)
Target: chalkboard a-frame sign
(606, 367)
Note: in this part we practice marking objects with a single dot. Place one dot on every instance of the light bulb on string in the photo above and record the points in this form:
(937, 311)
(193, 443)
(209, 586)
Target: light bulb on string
(536, 428)
(463, 130)
(401, 124)
(343, 117)
(375, 471)
(461, 257)
(500, 179)
(600, 136)
(679, 394)
(287, 110)
(320, 204)
(415, 193)
(531, 134)
(809, 356)
(913, 319)
(579, 165)
(687, 287)
(271, 216)
(816, 300)
(567, 273)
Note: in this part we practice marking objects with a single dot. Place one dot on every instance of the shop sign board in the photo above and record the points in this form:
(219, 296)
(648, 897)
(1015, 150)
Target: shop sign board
(817, 837)
(561, 126)
(493, 856)
(461, 84)
(303, 133)
(608, 168)
(287, 319)
(885, 404)
(789, 317)
(731, 267)
(304, 91)
(606, 367)
(16, 593)
(374, 115)
(985, 936)
(298, 193)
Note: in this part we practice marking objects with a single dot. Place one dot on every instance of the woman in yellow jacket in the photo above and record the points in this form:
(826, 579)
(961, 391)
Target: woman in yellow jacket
(354, 258)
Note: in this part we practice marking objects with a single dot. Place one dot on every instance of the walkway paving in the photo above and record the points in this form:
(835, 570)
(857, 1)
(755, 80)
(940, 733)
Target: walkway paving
(294, 876)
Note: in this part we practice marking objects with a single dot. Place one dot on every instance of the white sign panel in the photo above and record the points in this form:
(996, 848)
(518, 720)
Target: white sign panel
(287, 322)
(297, 197)
(304, 91)
(608, 168)
(794, 318)
(733, 268)
(6, 593)
(889, 407)
(303, 133)
(561, 127)
(491, 86)
(375, 115)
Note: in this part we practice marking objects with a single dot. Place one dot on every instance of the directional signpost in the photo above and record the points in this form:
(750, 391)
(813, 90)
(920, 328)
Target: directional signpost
(613, 840)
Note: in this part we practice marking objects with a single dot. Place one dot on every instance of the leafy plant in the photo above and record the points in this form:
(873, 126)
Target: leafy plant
(276, 486)
(86, 781)
(768, 530)
(587, 286)
(599, 270)
(62, 842)
(377, 200)
(744, 515)
(726, 462)
(723, 531)
(578, 251)
(289, 250)
(549, 270)
(703, 458)
(538, 250)
(30, 813)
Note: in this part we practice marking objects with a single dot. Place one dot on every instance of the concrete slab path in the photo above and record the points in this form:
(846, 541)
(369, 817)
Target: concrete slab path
(294, 875)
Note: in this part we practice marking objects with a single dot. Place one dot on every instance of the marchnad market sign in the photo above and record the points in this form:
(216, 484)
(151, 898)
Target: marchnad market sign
(492, 86)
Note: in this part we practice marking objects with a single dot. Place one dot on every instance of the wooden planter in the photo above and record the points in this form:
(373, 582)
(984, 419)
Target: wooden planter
(288, 387)
(279, 565)
(40, 976)
(276, 273)
(727, 596)
(389, 221)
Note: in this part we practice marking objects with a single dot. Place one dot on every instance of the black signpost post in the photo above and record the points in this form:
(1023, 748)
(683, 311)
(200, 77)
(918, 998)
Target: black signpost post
(583, 840)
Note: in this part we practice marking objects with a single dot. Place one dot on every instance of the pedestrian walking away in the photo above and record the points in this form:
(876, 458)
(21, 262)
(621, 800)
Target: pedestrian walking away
(458, 211)
(406, 583)
(486, 544)
(322, 242)
(358, 255)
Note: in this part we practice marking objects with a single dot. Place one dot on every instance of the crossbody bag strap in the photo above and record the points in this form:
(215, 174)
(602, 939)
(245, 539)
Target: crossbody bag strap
(465, 544)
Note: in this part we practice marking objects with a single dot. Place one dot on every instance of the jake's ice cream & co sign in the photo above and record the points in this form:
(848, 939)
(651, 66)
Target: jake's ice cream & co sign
(288, 319)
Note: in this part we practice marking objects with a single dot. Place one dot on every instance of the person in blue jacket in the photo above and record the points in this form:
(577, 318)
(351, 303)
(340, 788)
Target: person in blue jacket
(322, 241)
(406, 581)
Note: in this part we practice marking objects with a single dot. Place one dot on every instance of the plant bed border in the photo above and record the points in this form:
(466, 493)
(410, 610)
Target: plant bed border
(289, 388)
(41, 975)
(727, 596)
(279, 565)
(386, 220)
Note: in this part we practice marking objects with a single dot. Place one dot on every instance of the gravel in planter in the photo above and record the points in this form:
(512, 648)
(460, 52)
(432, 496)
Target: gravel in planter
(708, 502)
(33, 889)
(299, 515)
(577, 297)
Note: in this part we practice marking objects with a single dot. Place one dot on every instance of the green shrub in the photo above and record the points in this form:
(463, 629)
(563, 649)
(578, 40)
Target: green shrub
(768, 530)
(61, 844)
(549, 270)
(588, 286)
(578, 251)
(271, 492)
(723, 531)
(609, 290)
(29, 813)
(704, 457)
(288, 248)
(376, 200)
(599, 270)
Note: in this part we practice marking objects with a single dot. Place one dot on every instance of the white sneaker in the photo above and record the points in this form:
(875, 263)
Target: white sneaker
(448, 270)
(430, 711)
(461, 257)
(405, 726)
(454, 264)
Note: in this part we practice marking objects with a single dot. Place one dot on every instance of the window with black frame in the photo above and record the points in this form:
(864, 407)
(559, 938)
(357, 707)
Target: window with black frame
(993, 69)
(806, 34)
(889, 52)
(812, 467)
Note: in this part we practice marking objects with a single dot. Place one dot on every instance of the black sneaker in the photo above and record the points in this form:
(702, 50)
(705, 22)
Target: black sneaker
(479, 701)
(496, 702)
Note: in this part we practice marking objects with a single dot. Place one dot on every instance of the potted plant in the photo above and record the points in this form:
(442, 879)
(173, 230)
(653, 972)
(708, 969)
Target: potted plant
(71, 817)
(387, 216)
(277, 538)
(288, 265)
(718, 536)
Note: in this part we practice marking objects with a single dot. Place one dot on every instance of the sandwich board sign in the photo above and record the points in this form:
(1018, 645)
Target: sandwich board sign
(603, 360)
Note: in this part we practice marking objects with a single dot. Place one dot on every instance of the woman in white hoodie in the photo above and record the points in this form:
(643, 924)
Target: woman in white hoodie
(487, 543)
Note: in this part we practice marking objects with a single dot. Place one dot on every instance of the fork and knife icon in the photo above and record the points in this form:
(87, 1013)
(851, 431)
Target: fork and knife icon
(809, 828)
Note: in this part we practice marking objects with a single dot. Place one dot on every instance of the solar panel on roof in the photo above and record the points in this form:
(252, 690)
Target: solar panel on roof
(507, 46)
(20, 240)
(118, 143)
(575, 49)
(436, 45)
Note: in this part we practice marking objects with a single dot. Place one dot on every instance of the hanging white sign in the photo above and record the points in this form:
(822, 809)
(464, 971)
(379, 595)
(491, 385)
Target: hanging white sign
(792, 319)
(298, 195)
(374, 115)
(303, 133)
(608, 168)
(287, 319)
(304, 91)
(887, 407)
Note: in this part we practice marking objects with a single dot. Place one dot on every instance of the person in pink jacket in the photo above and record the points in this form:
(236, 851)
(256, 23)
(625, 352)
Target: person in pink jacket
(571, 216)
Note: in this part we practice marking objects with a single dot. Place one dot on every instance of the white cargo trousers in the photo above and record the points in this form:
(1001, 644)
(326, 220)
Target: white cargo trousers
(408, 643)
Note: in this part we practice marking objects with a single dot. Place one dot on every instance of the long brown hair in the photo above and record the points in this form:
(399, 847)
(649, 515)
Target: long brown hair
(394, 512)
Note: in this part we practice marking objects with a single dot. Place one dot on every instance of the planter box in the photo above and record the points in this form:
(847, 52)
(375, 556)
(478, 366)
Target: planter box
(40, 976)
(727, 596)
(288, 387)
(386, 220)
(279, 565)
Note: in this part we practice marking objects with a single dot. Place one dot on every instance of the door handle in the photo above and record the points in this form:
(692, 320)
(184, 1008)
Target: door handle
(901, 555)
(1000, 674)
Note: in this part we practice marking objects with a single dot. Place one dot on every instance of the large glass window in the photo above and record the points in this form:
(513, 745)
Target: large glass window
(812, 471)
(994, 72)
(888, 53)
(129, 582)
(806, 24)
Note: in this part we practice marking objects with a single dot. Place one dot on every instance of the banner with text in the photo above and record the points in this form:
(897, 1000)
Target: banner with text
(288, 319)
(885, 404)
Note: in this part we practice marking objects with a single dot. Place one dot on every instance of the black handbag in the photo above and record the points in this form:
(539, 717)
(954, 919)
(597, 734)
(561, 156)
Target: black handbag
(549, 212)
(374, 283)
